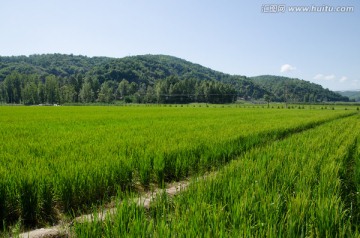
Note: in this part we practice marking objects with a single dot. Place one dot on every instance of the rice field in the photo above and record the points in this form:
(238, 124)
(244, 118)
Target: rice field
(65, 160)
(302, 186)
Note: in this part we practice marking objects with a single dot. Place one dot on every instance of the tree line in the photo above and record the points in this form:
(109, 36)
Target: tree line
(32, 89)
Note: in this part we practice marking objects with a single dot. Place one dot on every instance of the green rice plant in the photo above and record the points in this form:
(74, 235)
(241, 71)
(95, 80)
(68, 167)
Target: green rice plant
(29, 201)
(288, 188)
(47, 200)
(159, 169)
(355, 213)
(3, 208)
(145, 168)
(78, 157)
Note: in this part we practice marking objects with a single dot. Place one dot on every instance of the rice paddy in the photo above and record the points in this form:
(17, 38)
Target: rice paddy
(280, 172)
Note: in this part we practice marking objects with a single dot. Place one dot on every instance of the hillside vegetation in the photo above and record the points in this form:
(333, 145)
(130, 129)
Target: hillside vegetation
(57, 78)
(352, 95)
(295, 90)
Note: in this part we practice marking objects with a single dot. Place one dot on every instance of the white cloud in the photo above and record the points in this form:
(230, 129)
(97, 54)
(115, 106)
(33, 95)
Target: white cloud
(318, 77)
(330, 77)
(343, 79)
(324, 77)
(287, 68)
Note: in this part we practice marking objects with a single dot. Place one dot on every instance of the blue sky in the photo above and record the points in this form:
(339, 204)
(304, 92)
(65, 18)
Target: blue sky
(229, 36)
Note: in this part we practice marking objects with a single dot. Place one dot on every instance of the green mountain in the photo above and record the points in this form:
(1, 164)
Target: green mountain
(148, 69)
(295, 90)
(49, 64)
(147, 78)
(352, 95)
(58, 78)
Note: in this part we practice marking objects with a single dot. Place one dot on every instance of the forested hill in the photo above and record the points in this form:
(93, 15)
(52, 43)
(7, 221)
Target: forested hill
(295, 90)
(352, 95)
(57, 78)
(49, 64)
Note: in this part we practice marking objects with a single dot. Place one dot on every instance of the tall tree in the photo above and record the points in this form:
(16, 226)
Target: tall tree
(160, 91)
(30, 93)
(67, 93)
(12, 85)
(86, 93)
(3, 95)
(106, 93)
(133, 88)
(76, 82)
(51, 90)
(41, 92)
(150, 96)
(267, 99)
(123, 88)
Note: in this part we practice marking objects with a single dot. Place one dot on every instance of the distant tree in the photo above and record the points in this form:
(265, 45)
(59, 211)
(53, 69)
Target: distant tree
(267, 98)
(3, 95)
(41, 92)
(123, 88)
(150, 96)
(95, 85)
(12, 84)
(67, 93)
(86, 93)
(140, 94)
(133, 88)
(106, 94)
(306, 97)
(205, 91)
(160, 91)
(51, 90)
(76, 81)
(30, 93)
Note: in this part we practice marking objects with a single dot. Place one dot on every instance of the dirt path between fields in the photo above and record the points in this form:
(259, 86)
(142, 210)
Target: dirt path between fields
(145, 200)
